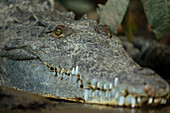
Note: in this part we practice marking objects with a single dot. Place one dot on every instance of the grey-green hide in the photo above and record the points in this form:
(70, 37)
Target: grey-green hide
(84, 64)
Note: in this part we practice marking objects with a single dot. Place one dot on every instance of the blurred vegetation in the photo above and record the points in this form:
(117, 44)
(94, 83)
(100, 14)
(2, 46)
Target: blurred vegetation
(156, 11)
(121, 12)
(79, 7)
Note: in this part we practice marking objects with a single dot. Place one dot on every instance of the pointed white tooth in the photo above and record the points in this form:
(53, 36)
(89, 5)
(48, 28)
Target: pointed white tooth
(97, 96)
(115, 82)
(61, 71)
(121, 100)
(107, 94)
(163, 101)
(93, 94)
(98, 84)
(86, 93)
(105, 87)
(116, 94)
(133, 102)
(77, 69)
(72, 72)
(110, 86)
(157, 100)
(100, 93)
(150, 100)
(103, 96)
(138, 99)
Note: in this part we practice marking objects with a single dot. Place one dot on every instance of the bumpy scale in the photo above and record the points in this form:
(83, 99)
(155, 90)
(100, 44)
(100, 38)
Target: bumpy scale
(48, 52)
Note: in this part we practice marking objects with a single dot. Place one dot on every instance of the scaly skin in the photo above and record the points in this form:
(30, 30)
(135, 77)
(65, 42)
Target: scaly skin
(50, 53)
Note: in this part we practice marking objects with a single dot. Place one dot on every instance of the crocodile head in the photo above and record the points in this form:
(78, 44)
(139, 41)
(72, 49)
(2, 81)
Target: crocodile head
(52, 54)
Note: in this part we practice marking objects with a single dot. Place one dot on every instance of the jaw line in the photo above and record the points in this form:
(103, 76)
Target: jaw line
(104, 94)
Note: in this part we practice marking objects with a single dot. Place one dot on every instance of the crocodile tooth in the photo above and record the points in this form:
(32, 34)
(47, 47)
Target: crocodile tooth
(128, 100)
(138, 99)
(110, 86)
(107, 94)
(98, 84)
(116, 94)
(96, 94)
(115, 82)
(61, 72)
(113, 92)
(121, 100)
(157, 100)
(77, 68)
(86, 93)
(150, 100)
(163, 101)
(133, 102)
(103, 95)
(100, 93)
(93, 94)
(104, 86)
(72, 72)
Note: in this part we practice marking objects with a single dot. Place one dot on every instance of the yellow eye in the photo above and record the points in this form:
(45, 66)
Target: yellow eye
(58, 31)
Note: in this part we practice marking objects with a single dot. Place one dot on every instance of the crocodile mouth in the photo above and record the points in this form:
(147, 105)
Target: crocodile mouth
(108, 93)
(117, 90)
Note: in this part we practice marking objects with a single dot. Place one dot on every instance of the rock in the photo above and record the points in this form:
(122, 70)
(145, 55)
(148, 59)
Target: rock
(11, 99)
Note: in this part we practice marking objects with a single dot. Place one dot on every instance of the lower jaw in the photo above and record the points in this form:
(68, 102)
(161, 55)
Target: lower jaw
(122, 100)
(94, 97)
(134, 103)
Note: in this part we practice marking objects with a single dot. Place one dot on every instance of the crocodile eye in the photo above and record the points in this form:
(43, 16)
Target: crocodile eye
(58, 32)
(62, 31)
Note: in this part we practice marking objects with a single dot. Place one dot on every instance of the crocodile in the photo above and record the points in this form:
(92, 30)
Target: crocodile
(48, 52)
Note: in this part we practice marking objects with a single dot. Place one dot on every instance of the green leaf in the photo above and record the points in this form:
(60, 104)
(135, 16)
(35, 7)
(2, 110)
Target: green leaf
(112, 13)
(158, 15)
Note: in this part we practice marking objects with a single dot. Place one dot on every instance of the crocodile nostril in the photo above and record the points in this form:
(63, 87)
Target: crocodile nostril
(144, 71)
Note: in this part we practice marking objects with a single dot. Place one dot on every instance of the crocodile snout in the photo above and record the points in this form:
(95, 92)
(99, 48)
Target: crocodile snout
(142, 86)
(153, 84)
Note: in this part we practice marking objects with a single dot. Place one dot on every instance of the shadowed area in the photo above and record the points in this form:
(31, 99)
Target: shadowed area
(13, 101)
